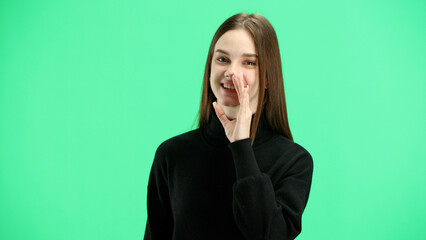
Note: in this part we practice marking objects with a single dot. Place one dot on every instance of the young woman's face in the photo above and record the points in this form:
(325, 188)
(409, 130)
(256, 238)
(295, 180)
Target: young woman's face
(234, 53)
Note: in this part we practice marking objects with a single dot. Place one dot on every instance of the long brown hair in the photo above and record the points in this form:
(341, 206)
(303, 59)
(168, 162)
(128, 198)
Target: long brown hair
(271, 86)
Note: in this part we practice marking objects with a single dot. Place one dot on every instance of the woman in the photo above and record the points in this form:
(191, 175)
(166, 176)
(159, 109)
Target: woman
(239, 175)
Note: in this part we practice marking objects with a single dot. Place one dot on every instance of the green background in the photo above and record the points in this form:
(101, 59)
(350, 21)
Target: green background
(89, 89)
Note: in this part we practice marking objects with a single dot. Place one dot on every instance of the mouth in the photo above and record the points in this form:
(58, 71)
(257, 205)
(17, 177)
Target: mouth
(228, 86)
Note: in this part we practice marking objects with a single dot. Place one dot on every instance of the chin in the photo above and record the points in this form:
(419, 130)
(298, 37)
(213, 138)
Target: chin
(229, 103)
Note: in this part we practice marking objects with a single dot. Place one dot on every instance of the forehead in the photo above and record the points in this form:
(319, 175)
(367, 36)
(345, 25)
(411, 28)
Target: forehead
(236, 42)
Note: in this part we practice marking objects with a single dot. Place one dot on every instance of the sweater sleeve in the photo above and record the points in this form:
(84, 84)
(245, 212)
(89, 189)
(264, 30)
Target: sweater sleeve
(262, 210)
(159, 224)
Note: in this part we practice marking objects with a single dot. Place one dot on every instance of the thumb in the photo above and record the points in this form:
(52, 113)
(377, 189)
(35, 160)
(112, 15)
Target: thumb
(220, 114)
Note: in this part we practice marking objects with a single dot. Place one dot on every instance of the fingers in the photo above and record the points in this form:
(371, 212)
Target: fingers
(220, 113)
(243, 80)
(237, 86)
(247, 97)
(243, 88)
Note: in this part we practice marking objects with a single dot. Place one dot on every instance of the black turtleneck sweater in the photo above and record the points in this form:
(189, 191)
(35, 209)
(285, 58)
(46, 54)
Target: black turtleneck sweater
(201, 186)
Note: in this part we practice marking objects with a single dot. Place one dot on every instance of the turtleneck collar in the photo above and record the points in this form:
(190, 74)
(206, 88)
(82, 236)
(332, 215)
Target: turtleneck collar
(214, 132)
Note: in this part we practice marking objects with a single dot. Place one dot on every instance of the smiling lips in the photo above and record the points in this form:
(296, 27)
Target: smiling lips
(228, 88)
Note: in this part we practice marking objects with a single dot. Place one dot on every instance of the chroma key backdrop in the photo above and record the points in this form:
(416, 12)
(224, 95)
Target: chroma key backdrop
(89, 89)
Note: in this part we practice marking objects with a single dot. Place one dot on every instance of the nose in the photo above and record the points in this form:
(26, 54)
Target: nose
(231, 71)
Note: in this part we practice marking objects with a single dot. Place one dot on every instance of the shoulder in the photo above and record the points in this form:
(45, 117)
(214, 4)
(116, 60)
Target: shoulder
(179, 142)
(282, 144)
(289, 152)
(293, 147)
(174, 148)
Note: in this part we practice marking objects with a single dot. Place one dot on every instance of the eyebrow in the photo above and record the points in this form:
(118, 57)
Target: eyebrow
(244, 54)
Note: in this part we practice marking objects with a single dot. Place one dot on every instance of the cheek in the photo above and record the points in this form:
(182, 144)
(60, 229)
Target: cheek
(213, 75)
(216, 72)
(253, 81)
(214, 80)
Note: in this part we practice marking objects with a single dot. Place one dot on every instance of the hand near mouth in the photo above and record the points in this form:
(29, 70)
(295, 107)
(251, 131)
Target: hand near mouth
(238, 128)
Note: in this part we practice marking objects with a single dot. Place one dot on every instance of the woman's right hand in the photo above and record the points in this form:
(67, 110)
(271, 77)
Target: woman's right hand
(238, 128)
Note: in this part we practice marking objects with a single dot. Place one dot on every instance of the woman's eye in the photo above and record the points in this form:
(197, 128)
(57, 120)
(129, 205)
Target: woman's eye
(251, 63)
(221, 59)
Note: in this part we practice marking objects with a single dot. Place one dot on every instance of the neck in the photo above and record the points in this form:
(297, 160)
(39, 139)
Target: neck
(231, 112)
